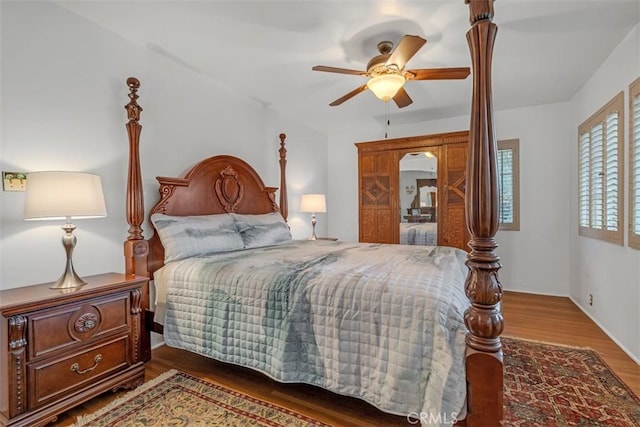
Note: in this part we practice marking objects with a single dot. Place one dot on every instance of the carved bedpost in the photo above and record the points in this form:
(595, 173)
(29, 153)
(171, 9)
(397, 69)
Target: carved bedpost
(484, 318)
(136, 248)
(284, 206)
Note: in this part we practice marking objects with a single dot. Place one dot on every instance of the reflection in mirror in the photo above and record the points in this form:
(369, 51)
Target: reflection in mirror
(418, 199)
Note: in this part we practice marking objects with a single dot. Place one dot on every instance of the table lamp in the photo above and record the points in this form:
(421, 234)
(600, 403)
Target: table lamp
(64, 195)
(313, 203)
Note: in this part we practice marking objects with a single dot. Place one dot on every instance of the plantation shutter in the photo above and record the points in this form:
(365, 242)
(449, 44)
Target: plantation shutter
(597, 177)
(583, 180)
(508, 192)
(600, 172)
(634, 165)
(505, 184)
(611, 166)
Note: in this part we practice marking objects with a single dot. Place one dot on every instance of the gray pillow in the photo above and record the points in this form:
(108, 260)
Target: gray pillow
(262, 229)
(187, 236)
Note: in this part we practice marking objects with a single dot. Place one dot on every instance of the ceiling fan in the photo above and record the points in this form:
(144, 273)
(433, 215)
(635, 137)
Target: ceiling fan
(387, 74)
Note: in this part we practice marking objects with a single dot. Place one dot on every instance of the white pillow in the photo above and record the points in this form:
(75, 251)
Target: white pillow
(187, 236)
(262, 229)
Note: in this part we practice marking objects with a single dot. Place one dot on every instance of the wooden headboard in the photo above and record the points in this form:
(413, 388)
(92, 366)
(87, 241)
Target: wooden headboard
(220, 184)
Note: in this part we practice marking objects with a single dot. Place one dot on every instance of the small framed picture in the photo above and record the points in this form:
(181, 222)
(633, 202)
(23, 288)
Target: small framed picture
(14, 181)
(415, 212)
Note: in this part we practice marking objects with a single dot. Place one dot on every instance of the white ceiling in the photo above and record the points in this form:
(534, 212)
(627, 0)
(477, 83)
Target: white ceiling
(544, 52)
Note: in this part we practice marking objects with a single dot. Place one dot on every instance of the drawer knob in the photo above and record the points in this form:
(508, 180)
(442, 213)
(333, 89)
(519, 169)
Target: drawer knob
(76, 366)
(85, 323)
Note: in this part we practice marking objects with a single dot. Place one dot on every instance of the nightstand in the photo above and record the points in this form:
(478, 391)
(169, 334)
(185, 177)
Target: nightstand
(62, 348)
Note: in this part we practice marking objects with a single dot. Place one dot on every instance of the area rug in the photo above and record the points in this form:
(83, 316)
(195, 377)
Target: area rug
(178, 399)
(545, 385)
(552, 385)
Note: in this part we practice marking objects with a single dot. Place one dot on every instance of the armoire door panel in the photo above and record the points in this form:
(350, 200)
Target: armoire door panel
(374, 226)
(452, 229)
(376, 197)
(455, 233)
(375, 191)
(376, 164)
(383, 220)
(368, 165)
(367, 225)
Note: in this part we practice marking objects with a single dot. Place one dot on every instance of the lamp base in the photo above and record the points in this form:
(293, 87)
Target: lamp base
(69, 279)
(313, 227)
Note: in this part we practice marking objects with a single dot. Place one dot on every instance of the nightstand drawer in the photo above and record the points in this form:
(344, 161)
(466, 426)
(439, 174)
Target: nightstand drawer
(55, 377)
(65, 326)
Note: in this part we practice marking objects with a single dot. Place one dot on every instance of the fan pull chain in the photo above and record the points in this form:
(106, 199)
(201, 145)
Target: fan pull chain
(387, 122)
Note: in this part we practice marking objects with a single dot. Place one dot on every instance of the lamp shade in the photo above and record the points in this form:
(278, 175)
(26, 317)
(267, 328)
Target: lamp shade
(60, 195)
(313, 203)
(385, 86)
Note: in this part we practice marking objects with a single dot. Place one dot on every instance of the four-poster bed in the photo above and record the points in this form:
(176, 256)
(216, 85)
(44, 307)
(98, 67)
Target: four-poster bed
(224, 185)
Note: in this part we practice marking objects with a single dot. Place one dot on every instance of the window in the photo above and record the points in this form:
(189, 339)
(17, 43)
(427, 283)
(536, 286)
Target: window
(508, 184)
(600, 142)
(634, 164)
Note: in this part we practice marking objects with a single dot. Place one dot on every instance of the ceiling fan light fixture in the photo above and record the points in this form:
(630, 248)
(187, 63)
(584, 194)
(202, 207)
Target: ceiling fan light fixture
(387, 72)
(385, 86)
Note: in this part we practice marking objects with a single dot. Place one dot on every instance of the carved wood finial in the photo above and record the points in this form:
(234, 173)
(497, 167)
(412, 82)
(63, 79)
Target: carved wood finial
(133, 83)
(133, 109)
(480, 10)
(284, 205)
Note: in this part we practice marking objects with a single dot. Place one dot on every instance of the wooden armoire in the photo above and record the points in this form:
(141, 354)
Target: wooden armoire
(378, 186)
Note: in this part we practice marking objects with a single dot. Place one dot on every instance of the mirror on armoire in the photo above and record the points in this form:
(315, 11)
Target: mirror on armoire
(418, 198)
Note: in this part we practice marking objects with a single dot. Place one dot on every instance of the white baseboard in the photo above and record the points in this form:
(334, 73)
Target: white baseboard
(547, 294)
(157, 345)
(614, 339)
(157, 340)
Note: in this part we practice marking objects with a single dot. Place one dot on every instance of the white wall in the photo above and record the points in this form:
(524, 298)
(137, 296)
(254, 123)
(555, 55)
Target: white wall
(610, 272)
(63, 92)
(544, 185)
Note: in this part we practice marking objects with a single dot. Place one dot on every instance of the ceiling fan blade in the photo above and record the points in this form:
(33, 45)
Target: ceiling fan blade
(405, 50)
(349, 95)
(338, 70)
(439, 73)
(402, 98)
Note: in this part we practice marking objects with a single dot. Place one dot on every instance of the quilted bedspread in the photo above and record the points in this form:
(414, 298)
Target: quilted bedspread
(419, 233)
(380, 322)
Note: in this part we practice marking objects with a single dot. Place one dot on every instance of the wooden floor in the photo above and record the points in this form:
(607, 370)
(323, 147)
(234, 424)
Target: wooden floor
(541, 318)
